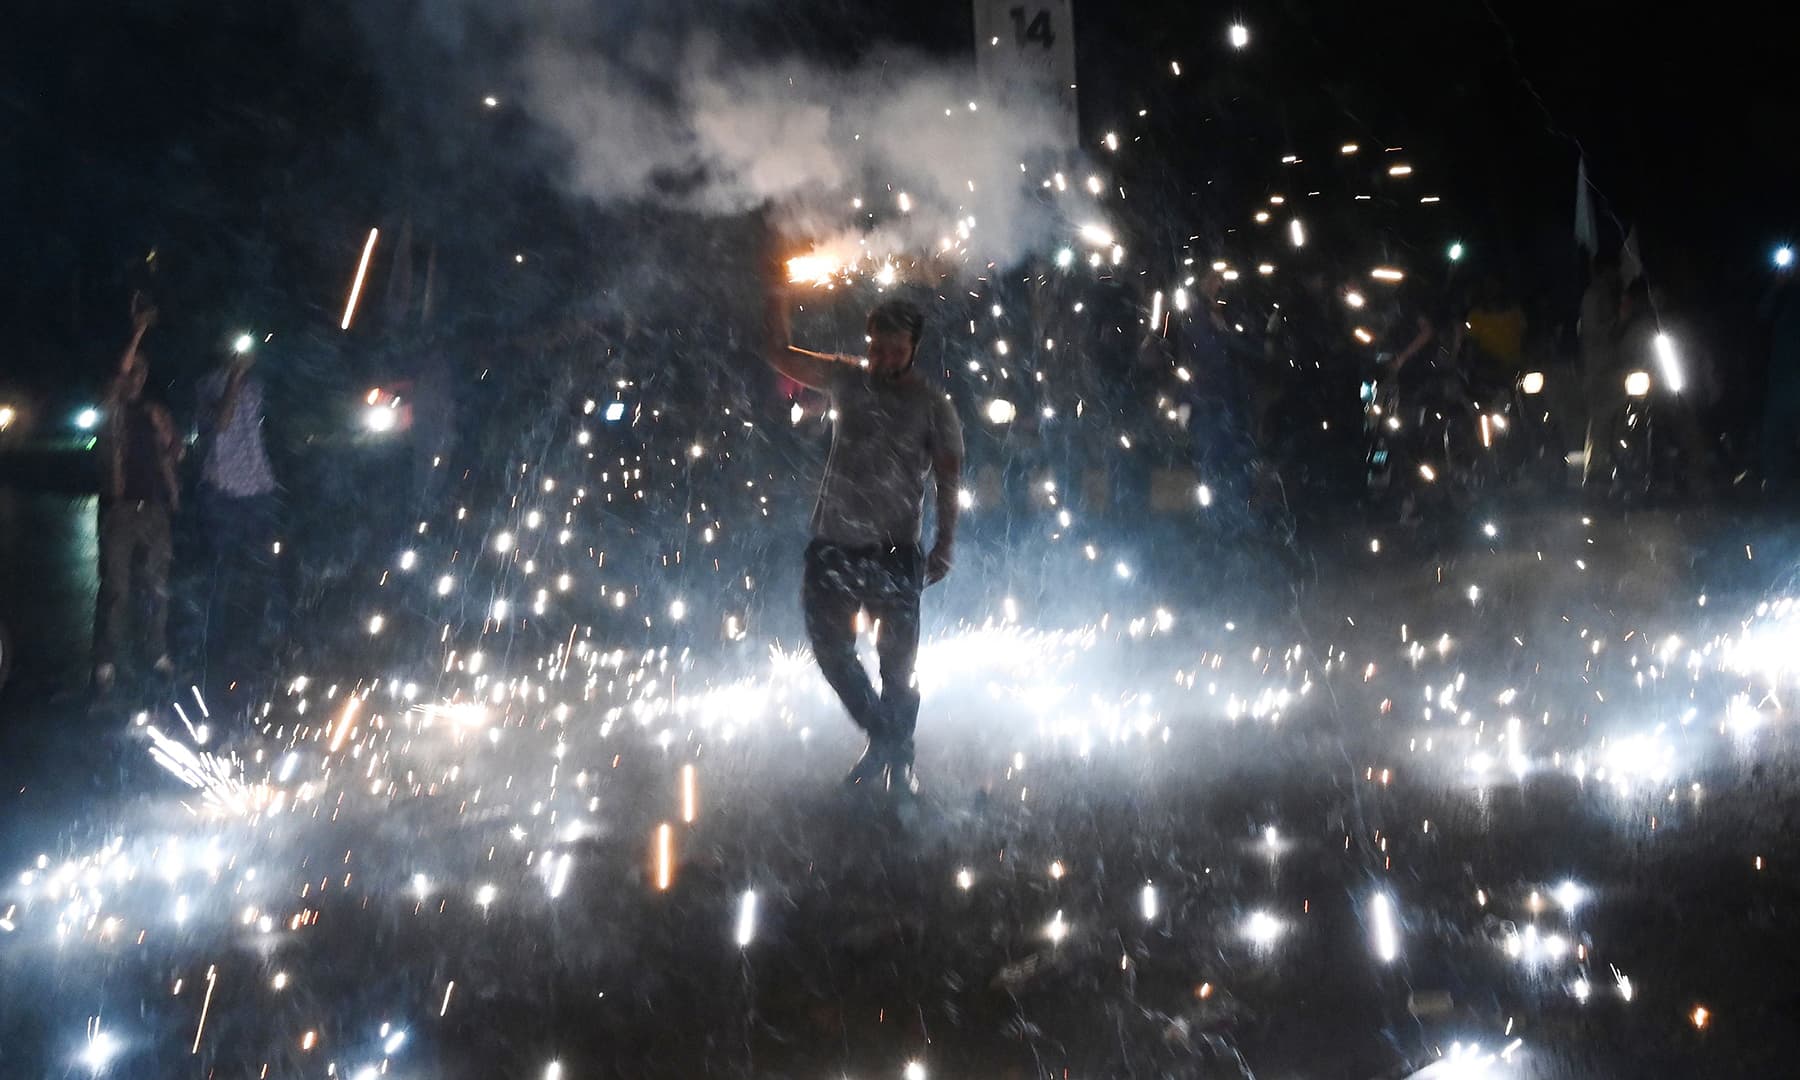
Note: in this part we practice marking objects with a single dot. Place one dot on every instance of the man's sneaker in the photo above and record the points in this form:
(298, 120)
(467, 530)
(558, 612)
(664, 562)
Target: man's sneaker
(164, 666)
(900, 779)
(868, 770)
(104, 677)
(902, 782)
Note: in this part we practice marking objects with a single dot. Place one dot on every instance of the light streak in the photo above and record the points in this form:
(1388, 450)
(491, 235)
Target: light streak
(665, 856)
(690, 800)
(362, 268)
(746, 919)
(1668, 362)
(559, 875)
(346, 718)
(212, 979)
(1387, 936)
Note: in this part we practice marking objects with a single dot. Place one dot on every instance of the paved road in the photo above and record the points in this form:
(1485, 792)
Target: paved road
(1525, 792)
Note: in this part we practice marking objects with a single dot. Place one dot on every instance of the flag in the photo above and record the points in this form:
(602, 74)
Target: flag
(1587, 235)
(1631, 263)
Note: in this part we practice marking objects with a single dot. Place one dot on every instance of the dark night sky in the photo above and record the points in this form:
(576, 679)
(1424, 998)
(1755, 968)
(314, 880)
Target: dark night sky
(251, 144)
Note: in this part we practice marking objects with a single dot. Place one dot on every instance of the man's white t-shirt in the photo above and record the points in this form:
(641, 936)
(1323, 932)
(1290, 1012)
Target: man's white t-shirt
(888, 432)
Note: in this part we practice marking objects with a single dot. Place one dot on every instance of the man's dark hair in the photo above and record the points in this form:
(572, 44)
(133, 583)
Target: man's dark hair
(898, 315)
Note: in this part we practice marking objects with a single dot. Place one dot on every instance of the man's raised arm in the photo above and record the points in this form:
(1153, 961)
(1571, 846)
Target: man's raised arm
(804, 366)
(143, 317)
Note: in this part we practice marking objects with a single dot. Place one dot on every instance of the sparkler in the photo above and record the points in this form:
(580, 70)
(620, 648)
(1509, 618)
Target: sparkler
(362, 269)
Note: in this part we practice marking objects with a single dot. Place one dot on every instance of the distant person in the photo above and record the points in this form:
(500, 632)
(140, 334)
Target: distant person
(1781, 412)
(893, 432)
(1596, 335)
(1496, 329)
(139, 450)
(238, 505)
(1215, 395)
(1634, 349)
(1597, 330)
(433, 422)
(1413, 331)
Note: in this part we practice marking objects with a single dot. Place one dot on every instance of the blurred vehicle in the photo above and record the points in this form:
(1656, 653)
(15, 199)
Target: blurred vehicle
(1643, 461)
(378, 417)
(1521, 435)
(386, 411)
(1428, 442)
(36, 421)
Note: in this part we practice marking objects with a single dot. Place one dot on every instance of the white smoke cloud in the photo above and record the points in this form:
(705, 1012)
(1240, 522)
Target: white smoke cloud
(646, 104)
(690, 124)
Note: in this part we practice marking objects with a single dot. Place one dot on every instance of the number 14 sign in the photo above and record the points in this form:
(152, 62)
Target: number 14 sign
(1025, 53)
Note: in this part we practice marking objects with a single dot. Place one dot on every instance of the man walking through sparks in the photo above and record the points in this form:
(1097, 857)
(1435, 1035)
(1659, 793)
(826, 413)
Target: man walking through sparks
(892, 431)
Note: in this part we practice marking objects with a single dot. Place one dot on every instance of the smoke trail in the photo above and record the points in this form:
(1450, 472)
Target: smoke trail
(648, 107)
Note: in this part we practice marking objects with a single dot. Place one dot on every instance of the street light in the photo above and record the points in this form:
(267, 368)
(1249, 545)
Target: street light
(243, 344)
